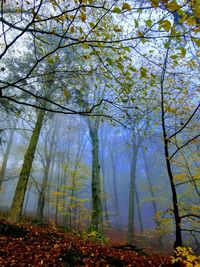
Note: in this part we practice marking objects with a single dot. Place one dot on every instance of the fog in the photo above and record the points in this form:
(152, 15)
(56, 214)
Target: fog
(65, 142)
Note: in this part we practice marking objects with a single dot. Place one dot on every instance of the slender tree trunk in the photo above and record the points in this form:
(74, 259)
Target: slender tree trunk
(42, 194)
(97, 217)
(51, 173)
(5, 158)
(178, 235)
(139, 210)
(26, 199)
(131, 213)
(57, 197)
(103, 173)
(147, 171)
(18, 200)
(104, 204)
(115, 193)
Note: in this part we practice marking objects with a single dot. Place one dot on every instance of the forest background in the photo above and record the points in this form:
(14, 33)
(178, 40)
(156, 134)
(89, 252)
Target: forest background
(100, 115)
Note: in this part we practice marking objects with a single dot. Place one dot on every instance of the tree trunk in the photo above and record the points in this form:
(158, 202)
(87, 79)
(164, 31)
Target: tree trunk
(178, 235)
(147, 171)
(97, 218)
(5, 158)
(139, 210)
(103, 173)
(18, 200)
(131, 213)
(115, 193)
(42, 194)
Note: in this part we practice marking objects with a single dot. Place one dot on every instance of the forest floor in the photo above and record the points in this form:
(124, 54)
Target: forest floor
(28, 245)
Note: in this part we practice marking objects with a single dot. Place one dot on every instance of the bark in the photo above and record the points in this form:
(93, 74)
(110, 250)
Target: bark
(139, 210)
(115, 193)
(104, 201)
(147, 171)
(5, 159)
(18, 200)
(131, 210)
(57, 197)
(178, 235)
(97, 217)
(42, 194)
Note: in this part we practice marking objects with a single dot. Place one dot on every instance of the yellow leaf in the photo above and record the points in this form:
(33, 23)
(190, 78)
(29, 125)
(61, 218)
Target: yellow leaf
(191, 21)
(83, 16)
(183, 51)
(140, 34)
(166, 25)
(126, 6)
(165, 1)
(117, 29)
(170, 109)
(173, 6)
(154, 3)
(67, 94)
(58, 193)
(72, 29)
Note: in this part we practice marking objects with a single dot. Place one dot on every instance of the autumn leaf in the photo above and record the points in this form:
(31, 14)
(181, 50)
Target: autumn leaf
(83, 16)
(72, 29)
(154, 3)
(49, 246)
(172, 6)
(197, 42)
(117, 29)
(66, 93)
(166, 25)
(126, 6)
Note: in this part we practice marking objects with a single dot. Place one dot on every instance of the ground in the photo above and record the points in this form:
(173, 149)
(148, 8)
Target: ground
(28, 245)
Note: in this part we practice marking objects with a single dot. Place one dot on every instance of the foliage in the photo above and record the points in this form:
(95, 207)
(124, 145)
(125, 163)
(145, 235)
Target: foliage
(48, 247)
(186, 257)
(94, 236)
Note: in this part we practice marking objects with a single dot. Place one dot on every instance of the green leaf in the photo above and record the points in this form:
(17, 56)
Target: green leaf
(133, 69)
(50, 61)
(109, 60)
(166, 45)
(143, 73)
(183, 51)
(149, 23)
(116, 9)
(174, 56)
(121, 67)
(136, 23)
(91, 24)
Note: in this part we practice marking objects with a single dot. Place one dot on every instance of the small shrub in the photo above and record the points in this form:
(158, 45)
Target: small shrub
(94, 236)
(186, 257)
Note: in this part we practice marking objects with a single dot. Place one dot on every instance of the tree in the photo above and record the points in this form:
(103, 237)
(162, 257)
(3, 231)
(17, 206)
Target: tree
(97, 216)
(18, 200)
(6, 156)
(168, 106)
(49, 149)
